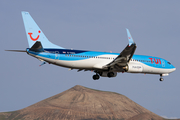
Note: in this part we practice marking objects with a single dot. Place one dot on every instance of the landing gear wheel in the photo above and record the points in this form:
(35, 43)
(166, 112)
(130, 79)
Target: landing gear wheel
(96, 77)
(161, 79)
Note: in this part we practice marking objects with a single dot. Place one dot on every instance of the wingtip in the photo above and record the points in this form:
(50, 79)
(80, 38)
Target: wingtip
(131, 41)
(24, 12)
(127, 29)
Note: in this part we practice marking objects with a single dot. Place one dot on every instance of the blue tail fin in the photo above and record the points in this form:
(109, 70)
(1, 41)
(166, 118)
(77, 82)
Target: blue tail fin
(34, 33)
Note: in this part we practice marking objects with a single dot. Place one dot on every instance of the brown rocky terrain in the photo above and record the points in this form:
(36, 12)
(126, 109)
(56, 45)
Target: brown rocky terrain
(81, 103)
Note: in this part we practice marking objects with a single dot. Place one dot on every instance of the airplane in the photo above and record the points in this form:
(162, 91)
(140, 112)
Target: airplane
(104, 64)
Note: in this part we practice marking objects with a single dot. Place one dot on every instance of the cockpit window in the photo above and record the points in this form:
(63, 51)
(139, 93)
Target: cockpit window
(169, 63)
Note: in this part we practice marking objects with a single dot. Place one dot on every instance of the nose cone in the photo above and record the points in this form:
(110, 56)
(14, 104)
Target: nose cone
(173, 69)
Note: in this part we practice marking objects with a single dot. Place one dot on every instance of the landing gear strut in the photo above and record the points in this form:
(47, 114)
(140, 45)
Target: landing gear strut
(96, 77)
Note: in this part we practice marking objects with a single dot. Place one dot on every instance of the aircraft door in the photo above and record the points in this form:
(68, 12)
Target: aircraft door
(57, 55)
(163, 63)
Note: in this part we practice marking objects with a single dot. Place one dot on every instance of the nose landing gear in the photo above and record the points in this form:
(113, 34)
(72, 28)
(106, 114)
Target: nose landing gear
(161, 79)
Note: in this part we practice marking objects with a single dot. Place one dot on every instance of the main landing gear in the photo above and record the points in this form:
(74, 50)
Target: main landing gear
(96, 77)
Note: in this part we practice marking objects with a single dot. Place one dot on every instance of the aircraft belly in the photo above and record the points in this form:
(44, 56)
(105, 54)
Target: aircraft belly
(83, 64)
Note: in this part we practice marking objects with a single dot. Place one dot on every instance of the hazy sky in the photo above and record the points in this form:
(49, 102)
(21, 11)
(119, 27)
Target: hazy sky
(97, 25)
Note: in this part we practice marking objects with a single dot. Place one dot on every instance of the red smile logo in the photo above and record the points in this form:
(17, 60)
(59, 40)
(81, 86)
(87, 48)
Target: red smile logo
(34, 39)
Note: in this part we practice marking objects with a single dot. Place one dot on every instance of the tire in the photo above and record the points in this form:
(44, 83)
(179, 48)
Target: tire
(95, 77)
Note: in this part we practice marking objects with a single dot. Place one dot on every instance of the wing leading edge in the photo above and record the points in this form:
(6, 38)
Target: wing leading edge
(125, 56)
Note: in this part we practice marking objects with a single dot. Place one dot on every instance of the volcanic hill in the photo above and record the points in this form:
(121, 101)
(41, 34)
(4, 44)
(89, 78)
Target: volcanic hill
(81, 103)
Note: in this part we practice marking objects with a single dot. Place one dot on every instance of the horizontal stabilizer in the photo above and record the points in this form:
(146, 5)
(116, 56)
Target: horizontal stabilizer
(37, 47)
(16, 50)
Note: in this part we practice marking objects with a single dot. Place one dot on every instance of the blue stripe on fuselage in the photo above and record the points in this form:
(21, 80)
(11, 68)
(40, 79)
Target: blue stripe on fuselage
(71, 55)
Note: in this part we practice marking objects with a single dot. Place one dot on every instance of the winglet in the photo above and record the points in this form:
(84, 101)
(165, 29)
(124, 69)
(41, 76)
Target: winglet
(131, 41)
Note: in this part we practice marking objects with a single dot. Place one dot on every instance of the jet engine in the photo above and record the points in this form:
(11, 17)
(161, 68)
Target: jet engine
(133, 68)
(108, 74)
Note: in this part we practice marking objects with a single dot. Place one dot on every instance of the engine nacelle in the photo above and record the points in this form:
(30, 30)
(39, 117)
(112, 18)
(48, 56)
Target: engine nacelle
(134, 68)
(108, 74)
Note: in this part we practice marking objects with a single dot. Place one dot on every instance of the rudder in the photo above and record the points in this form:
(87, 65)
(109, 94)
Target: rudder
(34, 33)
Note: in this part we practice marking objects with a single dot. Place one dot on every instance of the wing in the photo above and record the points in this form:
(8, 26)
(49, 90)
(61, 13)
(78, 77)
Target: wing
(125, 56)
